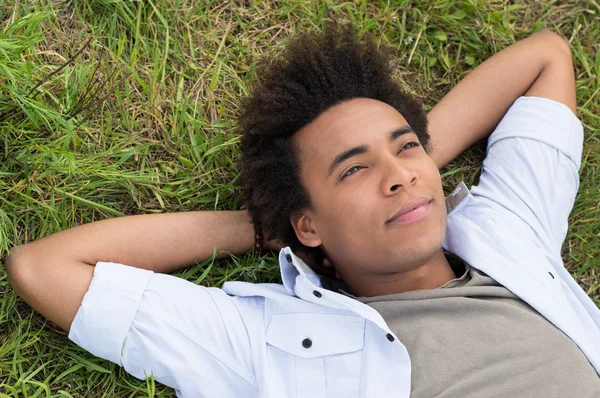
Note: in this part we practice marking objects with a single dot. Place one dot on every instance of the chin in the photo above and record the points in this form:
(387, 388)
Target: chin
(421, 248)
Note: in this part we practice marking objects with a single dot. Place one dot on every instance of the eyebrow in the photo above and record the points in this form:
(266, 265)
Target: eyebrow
(359, 150)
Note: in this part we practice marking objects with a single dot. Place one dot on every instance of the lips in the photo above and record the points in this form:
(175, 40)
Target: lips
(410, 206)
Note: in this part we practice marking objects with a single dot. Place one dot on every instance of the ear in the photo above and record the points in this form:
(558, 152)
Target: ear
(305, 229)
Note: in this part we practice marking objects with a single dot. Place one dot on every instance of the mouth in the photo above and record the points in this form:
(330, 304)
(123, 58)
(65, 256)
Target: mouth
(412, 212)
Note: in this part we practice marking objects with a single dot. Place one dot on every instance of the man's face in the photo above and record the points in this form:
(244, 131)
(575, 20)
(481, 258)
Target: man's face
(354, 198)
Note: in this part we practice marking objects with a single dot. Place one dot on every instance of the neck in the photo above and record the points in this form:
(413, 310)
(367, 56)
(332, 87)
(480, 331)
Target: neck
(433, 273)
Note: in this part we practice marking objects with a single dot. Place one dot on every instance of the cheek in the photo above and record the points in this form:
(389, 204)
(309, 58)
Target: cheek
(346, 213)
(431, 176)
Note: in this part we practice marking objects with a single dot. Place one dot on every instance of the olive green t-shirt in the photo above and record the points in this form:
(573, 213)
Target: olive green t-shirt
(473, 337)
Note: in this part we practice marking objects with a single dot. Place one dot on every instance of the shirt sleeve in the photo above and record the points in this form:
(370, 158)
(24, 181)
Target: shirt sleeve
(531, 169)
(192, 338)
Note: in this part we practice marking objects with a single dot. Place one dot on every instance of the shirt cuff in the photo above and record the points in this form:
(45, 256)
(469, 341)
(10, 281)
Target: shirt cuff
(108, 308)
(543, 120)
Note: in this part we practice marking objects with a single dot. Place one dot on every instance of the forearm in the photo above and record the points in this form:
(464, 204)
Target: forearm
(474, 107)
(159, 242)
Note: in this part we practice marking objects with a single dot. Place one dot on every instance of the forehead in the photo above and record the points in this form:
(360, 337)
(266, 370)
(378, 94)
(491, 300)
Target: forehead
(359, 121)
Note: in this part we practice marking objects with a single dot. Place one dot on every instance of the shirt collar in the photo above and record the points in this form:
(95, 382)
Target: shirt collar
(293, 267)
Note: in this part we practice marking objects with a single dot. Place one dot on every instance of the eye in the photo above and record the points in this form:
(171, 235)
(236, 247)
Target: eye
(348, 173)
(354, 169)
(414, 145)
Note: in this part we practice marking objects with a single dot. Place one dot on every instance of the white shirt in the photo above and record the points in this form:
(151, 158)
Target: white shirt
(303, 341)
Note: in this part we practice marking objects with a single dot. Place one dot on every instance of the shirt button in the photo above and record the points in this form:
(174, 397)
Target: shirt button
(317, 294)
(389, 337)
(551, 274)
(306, 343)
(288, 258)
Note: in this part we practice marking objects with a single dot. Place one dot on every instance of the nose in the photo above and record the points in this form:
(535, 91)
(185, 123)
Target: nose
(398, 177)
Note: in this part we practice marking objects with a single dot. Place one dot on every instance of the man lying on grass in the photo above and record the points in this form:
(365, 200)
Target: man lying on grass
(407, 292)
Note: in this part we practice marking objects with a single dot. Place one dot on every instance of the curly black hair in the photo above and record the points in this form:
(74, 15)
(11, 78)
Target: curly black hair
(315, 72)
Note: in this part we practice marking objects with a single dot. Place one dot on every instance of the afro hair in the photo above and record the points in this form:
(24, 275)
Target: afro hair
(314, 73)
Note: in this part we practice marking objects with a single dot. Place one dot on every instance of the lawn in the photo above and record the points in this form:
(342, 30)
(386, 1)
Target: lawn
(111, 108)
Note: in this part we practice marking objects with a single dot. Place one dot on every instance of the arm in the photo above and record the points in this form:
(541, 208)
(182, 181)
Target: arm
(539, 65)
(54, 273)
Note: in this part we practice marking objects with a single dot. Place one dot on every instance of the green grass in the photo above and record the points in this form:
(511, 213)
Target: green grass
(112, 107)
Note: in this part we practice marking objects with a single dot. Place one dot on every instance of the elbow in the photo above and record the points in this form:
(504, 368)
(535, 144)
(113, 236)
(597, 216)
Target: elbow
(556, 43)
(16, 265)
(10, 263)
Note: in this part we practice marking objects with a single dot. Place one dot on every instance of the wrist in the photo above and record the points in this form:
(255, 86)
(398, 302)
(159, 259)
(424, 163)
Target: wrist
(260, 241)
